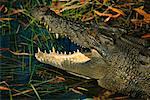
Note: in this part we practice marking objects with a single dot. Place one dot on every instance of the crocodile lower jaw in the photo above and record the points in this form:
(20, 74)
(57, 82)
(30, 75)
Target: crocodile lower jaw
(56, 58)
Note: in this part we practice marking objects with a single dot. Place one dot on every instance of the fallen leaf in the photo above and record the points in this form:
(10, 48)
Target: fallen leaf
(4, 88)
(147, 18)
(102, 14)
(146, 36)
(140, 10)
(109, 15)
(6, 19)
(116, 10)
(143, 13)
(116, 16)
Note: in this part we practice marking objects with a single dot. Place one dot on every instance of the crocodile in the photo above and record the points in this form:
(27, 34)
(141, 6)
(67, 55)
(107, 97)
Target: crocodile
(117, 62)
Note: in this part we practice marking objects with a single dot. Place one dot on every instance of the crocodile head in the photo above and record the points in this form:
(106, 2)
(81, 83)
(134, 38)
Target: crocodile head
(79, 34)
(114, 62)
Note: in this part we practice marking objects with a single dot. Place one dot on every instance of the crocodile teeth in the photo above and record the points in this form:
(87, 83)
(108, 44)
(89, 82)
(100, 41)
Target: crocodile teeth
(39, 49)
(57, 59)
(47, 27)
(45, 24)
(69, 53)
(57, 52)
(57, 35)
(53, 49)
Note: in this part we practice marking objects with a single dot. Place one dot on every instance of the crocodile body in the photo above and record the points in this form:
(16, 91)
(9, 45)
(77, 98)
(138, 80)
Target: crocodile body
(117, 64)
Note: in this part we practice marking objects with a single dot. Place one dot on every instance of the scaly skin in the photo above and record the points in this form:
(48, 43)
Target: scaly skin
(117, 63)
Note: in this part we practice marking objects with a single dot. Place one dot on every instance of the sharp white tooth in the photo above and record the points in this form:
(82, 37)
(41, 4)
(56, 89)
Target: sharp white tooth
(50, 51)
(65, 52)
(77, 50)
(70, 53)
(53, 49)
(57, 52)
(39, 49)
(74, 52)
(57, 35)
(49, 29)
(45, 24)
(44, 51)
(61, 53)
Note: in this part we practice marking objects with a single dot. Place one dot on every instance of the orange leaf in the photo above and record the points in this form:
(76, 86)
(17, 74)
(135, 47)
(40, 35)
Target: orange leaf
(116, 10)
(116, 16)
(147, 18)
(6, 19)
(143, 13)
(102, 14)
(4, 88)
(146, 36)
(140, 11)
